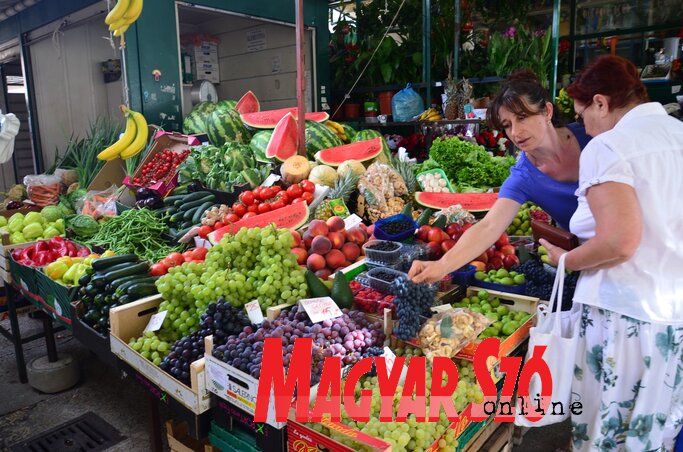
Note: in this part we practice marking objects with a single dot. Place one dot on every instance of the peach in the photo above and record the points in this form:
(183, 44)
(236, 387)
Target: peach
(351, 251)
(307, 239)
(297, 239)
(337, 239)
(325, 273)
(321, 245)
(315, 262)
(301, 255)
(318, 227)
(356, 235)
(369, 230)
(335, 224)
(335, 259)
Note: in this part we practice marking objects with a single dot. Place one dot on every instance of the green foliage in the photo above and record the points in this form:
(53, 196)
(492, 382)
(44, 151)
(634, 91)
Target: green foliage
(524, 50)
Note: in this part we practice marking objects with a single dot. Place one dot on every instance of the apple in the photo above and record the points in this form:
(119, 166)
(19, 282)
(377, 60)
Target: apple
(483, 258)
(510, 260)
(423, 232)
(496, 263)
(490, 252)
(466, 226)
(507, 249)
(434, 251)
(456, 237)
(502, 241)
(497, 254)
(435, 235)
(454, 228)
(447, 245)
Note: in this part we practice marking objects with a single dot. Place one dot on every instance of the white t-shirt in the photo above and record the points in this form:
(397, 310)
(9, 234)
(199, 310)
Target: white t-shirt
(645, 151)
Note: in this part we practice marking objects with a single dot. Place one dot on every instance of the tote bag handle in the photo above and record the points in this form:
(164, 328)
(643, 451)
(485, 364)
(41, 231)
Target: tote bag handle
(558, 290)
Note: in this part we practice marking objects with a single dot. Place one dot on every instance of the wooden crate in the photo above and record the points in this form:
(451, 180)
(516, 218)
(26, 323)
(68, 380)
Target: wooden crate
(495, 437)
(5, 250)
(129, 321)
(180, 441)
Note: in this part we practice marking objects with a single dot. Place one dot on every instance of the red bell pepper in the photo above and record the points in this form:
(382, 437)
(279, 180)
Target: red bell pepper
(41, 258)
(71, 249)
(83, 252)
(42, 245)
(27, 255)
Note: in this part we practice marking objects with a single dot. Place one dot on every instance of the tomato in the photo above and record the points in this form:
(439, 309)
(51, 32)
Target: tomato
(231, 218)
(249, 214)
(263, 208)
(251, 209)
(168, 263)
(277, 204)
(285, 197)
(298, 200)
(217, 225)
(276, 189)
(176, 258)
(307, 185)
(159, 269)
(187, 255)
(308, 197)
(204, 231)
(294, 191)
(199, 254)
(247, 197)
(239, 208)
(266, 193)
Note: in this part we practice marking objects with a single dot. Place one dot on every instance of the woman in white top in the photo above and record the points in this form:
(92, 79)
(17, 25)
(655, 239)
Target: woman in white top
(628, 373)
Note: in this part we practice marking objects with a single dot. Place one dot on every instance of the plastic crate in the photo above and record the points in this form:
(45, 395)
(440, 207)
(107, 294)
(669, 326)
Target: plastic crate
(379, 284)
(23, 276)
(382, 257)
(58, 296)
(520, 289)
(464, 276)
(435, 171)
(381, 234)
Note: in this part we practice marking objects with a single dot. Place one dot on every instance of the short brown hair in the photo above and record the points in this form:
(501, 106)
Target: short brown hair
(599, 78)
(521, 94)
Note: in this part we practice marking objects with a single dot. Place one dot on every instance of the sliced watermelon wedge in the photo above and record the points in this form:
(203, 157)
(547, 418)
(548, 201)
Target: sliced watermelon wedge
(290, 217)
(248, 103)
(361, 151)
(285, 140)
(474, 202)
(269, 118)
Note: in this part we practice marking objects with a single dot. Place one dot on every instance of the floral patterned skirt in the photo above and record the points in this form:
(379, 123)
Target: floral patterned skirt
(629, 378)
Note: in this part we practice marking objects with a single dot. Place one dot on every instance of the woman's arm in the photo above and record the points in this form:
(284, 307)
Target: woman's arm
(618, 229)
(471, 245)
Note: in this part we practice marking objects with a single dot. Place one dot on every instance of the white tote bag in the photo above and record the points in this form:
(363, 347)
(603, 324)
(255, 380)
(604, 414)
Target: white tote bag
(559, 332)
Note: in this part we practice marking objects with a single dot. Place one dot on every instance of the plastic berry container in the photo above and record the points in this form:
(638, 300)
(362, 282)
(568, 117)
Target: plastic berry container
(380, 257)
(382, 233)
(464, 275)
(380, 284)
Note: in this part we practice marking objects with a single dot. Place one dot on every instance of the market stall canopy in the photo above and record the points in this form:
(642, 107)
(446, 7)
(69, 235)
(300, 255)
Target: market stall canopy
(9, 8)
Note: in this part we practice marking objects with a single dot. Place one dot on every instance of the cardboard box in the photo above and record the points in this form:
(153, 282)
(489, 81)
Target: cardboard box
(211, 76)
(129, 321)
(175, 142)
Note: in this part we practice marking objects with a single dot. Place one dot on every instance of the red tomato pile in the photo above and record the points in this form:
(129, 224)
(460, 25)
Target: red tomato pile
(370, 300)
(262, 200)
(174, 259)
(160, 167)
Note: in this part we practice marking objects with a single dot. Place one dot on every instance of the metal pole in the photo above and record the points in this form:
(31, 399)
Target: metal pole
(456, 41)
(426, 49)
(16, 332)
(555, 40)
(300, 78)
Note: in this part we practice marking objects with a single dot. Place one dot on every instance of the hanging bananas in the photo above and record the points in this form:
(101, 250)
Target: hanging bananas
(431, 114)
(122, 16)
(133, 140)
(338, 130)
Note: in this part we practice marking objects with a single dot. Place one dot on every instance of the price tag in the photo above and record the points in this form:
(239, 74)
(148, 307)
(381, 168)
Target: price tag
(270, 180)
(389, 358)
(254, 312)
(321, 308)
(155, 322)
(352, 221)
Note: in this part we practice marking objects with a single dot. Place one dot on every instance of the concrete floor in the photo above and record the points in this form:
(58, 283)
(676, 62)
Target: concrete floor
(24, 412)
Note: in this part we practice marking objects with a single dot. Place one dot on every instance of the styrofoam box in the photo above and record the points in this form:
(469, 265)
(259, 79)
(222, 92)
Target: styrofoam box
(211, 76)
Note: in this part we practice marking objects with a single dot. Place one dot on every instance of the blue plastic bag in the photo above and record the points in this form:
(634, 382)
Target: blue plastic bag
(406, 104)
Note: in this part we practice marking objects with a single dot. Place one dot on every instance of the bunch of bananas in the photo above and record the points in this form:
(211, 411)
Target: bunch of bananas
(123, 15)
(564, 102)
(431, 114)
(133, 140)
(338, 130)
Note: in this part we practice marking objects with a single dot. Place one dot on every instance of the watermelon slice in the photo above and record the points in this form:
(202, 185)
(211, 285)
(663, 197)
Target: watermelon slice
(248, 103)
(285, 140)
(474, 202)
(361, 151)
(290, 217)
(269, 118)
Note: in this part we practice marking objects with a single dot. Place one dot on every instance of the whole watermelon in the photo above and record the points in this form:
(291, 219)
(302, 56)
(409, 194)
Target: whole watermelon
(319, 137)
(226, 125)
(195, 121)
(226, 104)
(259, 143)
(369, 134)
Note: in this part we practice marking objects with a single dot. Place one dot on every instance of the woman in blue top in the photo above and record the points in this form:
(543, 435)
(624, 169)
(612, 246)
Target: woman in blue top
(546, 173)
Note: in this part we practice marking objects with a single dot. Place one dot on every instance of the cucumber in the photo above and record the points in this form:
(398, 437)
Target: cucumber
(140, 290)
(123, 288)
(190, 213)
(197, 203)
(440, 222)
(170, 200)
(425, 216)
(179, 235)
(176, 217)
(165, 211)
(105, 262)
(197, 217)
(196, 196)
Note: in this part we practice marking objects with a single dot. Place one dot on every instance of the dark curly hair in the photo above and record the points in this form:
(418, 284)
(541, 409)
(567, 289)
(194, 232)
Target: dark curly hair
(522, 94)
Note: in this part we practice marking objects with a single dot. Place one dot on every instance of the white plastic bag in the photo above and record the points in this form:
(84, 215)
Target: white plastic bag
(559, 331)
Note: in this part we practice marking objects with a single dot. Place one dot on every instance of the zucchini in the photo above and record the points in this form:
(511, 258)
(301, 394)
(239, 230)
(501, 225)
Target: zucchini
(118, 282)
(190, 213)
(123, 288)
(124, 299)
(197, 217)
(140, 290)
(99, 298)
(113, 268)
(191, 205)
(134, 269)
(84, 280)
(105, 262)
(91, 290)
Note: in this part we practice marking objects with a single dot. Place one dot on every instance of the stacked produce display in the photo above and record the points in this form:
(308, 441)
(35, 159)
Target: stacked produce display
(245, 221)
